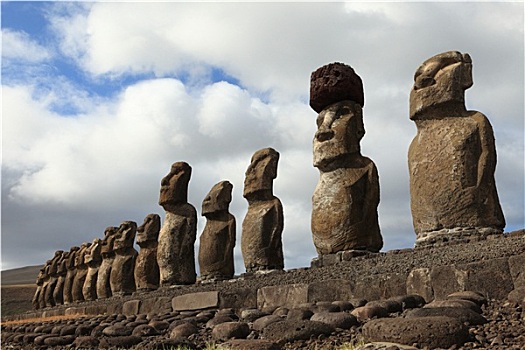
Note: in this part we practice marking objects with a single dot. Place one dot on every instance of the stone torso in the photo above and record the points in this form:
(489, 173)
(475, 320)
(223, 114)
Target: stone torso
(104, 273)
(175, 252)
(451, 164)
(344, 213)
(216, 248)
(261, 241)
(146, 267)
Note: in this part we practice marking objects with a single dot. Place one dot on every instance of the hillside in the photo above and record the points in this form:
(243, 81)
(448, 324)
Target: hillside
(22, 275)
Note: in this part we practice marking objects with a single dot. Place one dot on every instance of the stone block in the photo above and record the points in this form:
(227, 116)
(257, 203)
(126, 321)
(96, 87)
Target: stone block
(159, 305)
(517, 270)
(381, 286)
(96, 309)
(291, 295)
(419, 282)
(131, 307)
(75, 311)
(195, 301)
(238, 299)
(492, 278)
(115, 307)
(447, 280)
(330, 290)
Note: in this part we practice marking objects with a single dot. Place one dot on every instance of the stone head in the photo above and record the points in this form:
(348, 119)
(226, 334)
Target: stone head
(218, 199)
(261, 172)
(440, 83)
(174, 186)
(339, 132)
(62, 263)
(93, 254)
(53, 268)
(126, 235)
(40, 277)
(335, 82)
(107, 243)
(79, 257)
(149, 230)
(71, 259)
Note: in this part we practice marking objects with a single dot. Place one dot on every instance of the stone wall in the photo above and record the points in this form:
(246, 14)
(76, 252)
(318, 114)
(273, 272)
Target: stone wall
(493, 267)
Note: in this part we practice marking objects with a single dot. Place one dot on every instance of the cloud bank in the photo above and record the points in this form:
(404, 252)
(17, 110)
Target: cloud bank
(95, 113)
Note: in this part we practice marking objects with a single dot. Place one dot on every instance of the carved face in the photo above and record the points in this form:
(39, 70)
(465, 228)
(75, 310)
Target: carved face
(72, 257)
(109, 238)
(440, 81)
(93, 254)
(79, 257)
(218, 199)
(339, 130)
(125, 235)
(174, 186)
(261, 172)
(149, 230)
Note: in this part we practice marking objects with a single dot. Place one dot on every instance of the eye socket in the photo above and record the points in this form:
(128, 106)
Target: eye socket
(343, 111)
(319, 120)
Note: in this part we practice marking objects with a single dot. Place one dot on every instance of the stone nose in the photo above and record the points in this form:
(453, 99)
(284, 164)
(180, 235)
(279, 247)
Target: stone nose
(324, 134)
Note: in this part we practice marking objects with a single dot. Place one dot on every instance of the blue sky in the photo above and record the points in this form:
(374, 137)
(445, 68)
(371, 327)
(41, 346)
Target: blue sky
(99, 99)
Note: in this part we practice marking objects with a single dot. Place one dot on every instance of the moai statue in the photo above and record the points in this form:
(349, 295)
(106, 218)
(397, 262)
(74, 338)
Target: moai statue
(108, 256)
(58, 293)
(70, 275)
(452, 158)
(122, 279)
(92, 259)
(39, 289)
(45, 282)
(146, 267)
(176, 249)
(53, 279)
(261, 240)
(81, 273)
(218, 238)
(345, 200)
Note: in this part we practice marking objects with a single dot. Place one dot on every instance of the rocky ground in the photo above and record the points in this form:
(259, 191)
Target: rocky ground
(493, 325)
(475, 323)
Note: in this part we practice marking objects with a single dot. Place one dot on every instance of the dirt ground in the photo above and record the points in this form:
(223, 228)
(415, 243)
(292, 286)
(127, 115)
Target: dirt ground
(16, 299)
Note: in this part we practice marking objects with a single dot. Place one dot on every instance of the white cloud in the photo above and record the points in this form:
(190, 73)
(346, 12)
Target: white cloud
(18, 45)
(102, 163)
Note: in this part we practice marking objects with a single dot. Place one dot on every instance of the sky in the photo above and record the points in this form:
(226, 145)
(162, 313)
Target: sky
(99, 99)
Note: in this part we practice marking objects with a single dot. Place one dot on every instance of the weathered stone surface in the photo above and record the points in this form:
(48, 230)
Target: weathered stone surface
(195, 301)
(144, 330)
(491, 278)
(184, 330)
(384, 346)
(122, 279)
(458, 303)
(517, 270)
(158, 305)
(59, 341)
(291, 295)
(463, 314)
(218, 237)
(341, 320)
(261, 240)
(261, 323)
(390, 305)
(52, 278)
(229, 330)
(447, 279)
(410, 301)
(117, 330)
(239, 298)
(80, 274)
(175, 252)
(147, 273)
(58, 292)
(88, 342)
(344, 203)
(92, 259)
(333, 83)
(517, 296)
(108, 256)
(452, 158)
(368, 312)
(125, 342)
(131, 307)
(419, 282)
(249, 344)
(291, 330)
(475, 297)
(330, 290)
(432, 332)
(67, 294)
